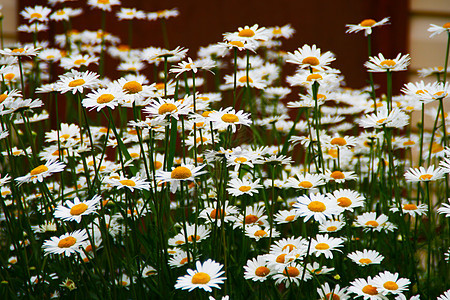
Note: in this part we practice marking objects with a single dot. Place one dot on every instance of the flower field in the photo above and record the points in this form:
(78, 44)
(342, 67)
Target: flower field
(217, 174)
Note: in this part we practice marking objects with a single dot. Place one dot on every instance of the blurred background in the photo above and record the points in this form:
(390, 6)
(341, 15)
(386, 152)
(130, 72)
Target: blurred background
(202, 22)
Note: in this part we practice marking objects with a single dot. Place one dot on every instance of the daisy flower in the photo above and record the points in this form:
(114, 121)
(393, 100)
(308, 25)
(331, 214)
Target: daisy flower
(445, 209)
(339, 176)
(130, 14)
(65, 13)
(67, 244)
(238, 187)
(305, 181)
(38, 13)
(436, 29)
(228, 117)
(411, 208)
(135, 182)
(73, 211)
(364, 288)
(330, 226)
(316, 206)
(424, 72)
(163, 14)
(395, 118)
(161, 108)
(148, 271)
(366, 25)
(422, 174)
(77, 61)
(193, 232)
(257, 269)
(42, 171)
(103, 4)
(286, 216)
(366, 257)
(180, 259)
(347, 199)
(381, 64)
(206, 276)
(323, 244)
(444, 296)
(157, 55)
(254, 215)
(239, 45)
(389, 283)
(185, 172)
(27, 50)
(310, 57)
(291, 274)
(191, 66)
(326, 293)
(256, 232)
(4, 180)
(249, 34)
(285, 31)
(370, 221)
(76, 81)
(212, 214)
(254, 80)
(101, 98)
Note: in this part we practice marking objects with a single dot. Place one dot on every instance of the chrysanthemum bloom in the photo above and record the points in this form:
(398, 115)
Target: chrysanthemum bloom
(305, 181)
(330, 226)
(65, 14)
(347, 199)
(42, 171)
(190, 65)
(370, 221)
(444, 296)
(206, 276)
(366, 25)
(67, 244)
(23, 51)
(213, 213)
(257, 232)
(286, 216)
(185, 172)
(78, 61)
(381, 64)
(130, 14)
(257, 269)
(291, 274)
(103, 4)
(135, 182)
(101, 98)
(422, 174)
(366, 257)
(339, 176)
(249, 34)
(193, 233)
(389, 283)
(326, 293)
(254, 215)
(396, 118)
(36, 14)
(163, 14)
(410, 208)
(445, 209)
(316, 206)
(161, 108)
(311, 57)
(323, 244)
(73, 211)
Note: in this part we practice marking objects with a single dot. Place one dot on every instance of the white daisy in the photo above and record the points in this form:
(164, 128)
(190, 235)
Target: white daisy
(185, 172)
(366, 257)
(366, 25)
(206, 276)
(42, 171)
(381, 64)
(67, 244)
(389, 283)
(316, 206)
(73, 211)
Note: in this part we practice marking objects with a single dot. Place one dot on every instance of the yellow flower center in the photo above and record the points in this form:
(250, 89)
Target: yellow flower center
(291, 272)
(290, 246)
(435, 148)
(332, 228)
(314, 77)
(338, 141)
(372, 223)
(200, 278)
(3, 97)
(36, 15)
(181, 173)
(60, 12)
(250, 219)
(217, 213)
(160, 86)
(367, 23)
(230, 118)
(134, 155)
(370, 290)
(18, 50)
(183, 261)
(9, 76)
(15, 153)
(389, 63)
(167, 108)
(79, 61)
(333, 153)
(243, 79)
(103, 1)
(201, 139)
(38, 170)
(240, 160)
(128, 182)
(317, 206)
(191, 238)
(237, 43)
(76, 82)
(344, 202)
(305, 184)
(409, 206)
(262, 271)
(246, 33)
(67, 242)
(132, 87)
(277, 31)
(289, 218)
(332, 296)
(426, 177)
(409, 143)
(380, 121)
(105, 98)
(157, 165)
(390, 285)
(245, 188)
(446, 25)
(365, 261)
(78, 209)
(280, 258)
(260, 233)
(322, 246)
(337, 175)
(310, 60)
